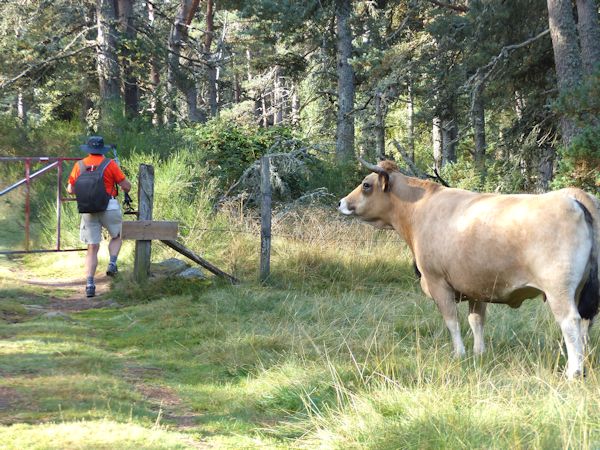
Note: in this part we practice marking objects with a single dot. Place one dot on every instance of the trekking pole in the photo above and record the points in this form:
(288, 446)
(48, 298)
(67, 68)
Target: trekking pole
(127, 202)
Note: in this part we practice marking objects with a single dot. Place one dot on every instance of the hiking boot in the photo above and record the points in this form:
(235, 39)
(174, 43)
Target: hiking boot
(90, 290)
(111, 270)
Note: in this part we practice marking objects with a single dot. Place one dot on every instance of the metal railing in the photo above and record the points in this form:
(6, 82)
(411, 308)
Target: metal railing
(52, 163)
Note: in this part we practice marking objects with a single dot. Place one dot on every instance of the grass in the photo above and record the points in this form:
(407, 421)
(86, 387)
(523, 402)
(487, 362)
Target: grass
(338, 350)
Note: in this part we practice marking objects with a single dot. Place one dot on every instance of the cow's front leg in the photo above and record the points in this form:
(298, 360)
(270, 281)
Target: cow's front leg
(476, 320)
(443, 295)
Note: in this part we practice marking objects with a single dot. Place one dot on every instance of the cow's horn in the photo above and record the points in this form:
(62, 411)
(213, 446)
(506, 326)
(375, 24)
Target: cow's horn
(385, 183)
(373, 167)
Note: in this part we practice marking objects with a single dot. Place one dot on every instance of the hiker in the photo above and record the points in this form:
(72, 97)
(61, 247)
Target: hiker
(94, 181)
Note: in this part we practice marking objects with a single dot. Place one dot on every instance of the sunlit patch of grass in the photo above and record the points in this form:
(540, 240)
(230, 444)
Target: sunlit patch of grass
(477, 411)
(318, 250)
(96, 434)
(51, 354)
(70, 265)
(12, 311)
(72, 397)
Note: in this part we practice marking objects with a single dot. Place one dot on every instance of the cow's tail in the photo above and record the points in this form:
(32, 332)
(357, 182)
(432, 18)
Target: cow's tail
(589, 298)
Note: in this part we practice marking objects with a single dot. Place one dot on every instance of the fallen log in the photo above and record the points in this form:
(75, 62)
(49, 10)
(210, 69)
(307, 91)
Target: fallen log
(199, 260)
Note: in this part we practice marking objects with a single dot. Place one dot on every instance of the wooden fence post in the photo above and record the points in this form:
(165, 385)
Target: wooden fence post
(265, 218)
(143, 249)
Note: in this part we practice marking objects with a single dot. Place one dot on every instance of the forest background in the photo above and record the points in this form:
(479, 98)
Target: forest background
(499, 96)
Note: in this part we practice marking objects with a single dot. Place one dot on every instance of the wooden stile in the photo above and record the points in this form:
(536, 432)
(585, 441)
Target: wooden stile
(143, 248)
(146, 230)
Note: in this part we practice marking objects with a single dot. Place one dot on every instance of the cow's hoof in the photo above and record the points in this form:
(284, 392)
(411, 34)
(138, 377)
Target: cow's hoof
(576, 374)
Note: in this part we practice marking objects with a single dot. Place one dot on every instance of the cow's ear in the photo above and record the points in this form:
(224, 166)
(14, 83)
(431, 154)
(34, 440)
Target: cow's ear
(384, 181)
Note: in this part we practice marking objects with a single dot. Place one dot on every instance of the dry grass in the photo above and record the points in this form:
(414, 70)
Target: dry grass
(338, 350)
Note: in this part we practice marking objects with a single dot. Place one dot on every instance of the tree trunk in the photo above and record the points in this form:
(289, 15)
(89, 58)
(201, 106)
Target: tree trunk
(411, 121)
(295, 106)
(567, 58)
(237, 89)
(176, 79)
(173, 69)
(130, 83)
(589, 34)
(478, 123)
(155, 103)
(265, 115)
(344, 147)
(211, 68)
(437, 138)
(379, 126)
(258, 102)
(278, 103)
(191, 100)
(546, 167)
(188, 81)
(449, 140)
(107, 65)
(21, 107)
(87, 105)
(213, 100)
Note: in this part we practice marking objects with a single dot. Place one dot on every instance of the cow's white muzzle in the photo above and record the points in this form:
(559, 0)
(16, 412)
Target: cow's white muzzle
(343, 208)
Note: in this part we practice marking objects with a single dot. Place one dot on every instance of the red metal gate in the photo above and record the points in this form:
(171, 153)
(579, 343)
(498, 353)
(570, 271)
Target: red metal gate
(52, 163)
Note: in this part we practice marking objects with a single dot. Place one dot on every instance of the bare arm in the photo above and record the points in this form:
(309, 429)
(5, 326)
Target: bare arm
(70, 188)
(125, 185)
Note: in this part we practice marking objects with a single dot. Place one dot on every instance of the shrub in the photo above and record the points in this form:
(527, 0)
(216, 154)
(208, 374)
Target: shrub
(228, 149)
(580, 161)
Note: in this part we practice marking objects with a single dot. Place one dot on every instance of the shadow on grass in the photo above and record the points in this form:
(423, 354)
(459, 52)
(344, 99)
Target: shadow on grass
(42, 360)
(207, 346)
(328, 270)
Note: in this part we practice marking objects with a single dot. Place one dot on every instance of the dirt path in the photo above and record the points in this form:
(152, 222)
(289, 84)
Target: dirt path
(69, 297)
(69, 293)
(76, 299)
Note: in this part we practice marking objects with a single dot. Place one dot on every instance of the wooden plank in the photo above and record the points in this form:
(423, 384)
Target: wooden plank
(265, 219)
(146, 230)
(197, 259)
(143, 249)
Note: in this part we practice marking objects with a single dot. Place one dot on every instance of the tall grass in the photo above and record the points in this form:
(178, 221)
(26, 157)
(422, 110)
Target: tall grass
(339, 349)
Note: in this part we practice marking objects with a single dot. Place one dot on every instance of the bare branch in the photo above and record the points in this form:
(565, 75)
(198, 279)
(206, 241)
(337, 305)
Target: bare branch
(477, 81)
(457, 8)
(414, 169)
(309, 197)
(296, 157)
(504, 53)
(61, 55)
(398, 30)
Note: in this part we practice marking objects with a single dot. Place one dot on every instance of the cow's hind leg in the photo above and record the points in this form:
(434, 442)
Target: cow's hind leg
(585, 333)
(443, 296)
(476, 320)
(566, 314)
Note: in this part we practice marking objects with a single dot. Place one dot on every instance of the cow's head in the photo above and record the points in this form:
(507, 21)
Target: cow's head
(371, 200)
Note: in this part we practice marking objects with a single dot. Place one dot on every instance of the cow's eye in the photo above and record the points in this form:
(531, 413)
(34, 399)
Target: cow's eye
(366, 186)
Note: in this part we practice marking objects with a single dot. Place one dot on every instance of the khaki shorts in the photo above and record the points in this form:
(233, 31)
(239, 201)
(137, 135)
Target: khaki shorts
(90, 230)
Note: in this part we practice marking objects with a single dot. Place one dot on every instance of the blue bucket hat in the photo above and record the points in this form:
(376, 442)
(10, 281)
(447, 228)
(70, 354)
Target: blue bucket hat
(95, 145)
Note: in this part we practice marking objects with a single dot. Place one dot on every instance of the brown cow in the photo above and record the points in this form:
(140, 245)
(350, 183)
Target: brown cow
(492, 248)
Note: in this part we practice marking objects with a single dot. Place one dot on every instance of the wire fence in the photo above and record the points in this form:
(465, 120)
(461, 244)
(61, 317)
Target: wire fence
(387, 238)
(351, 244)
